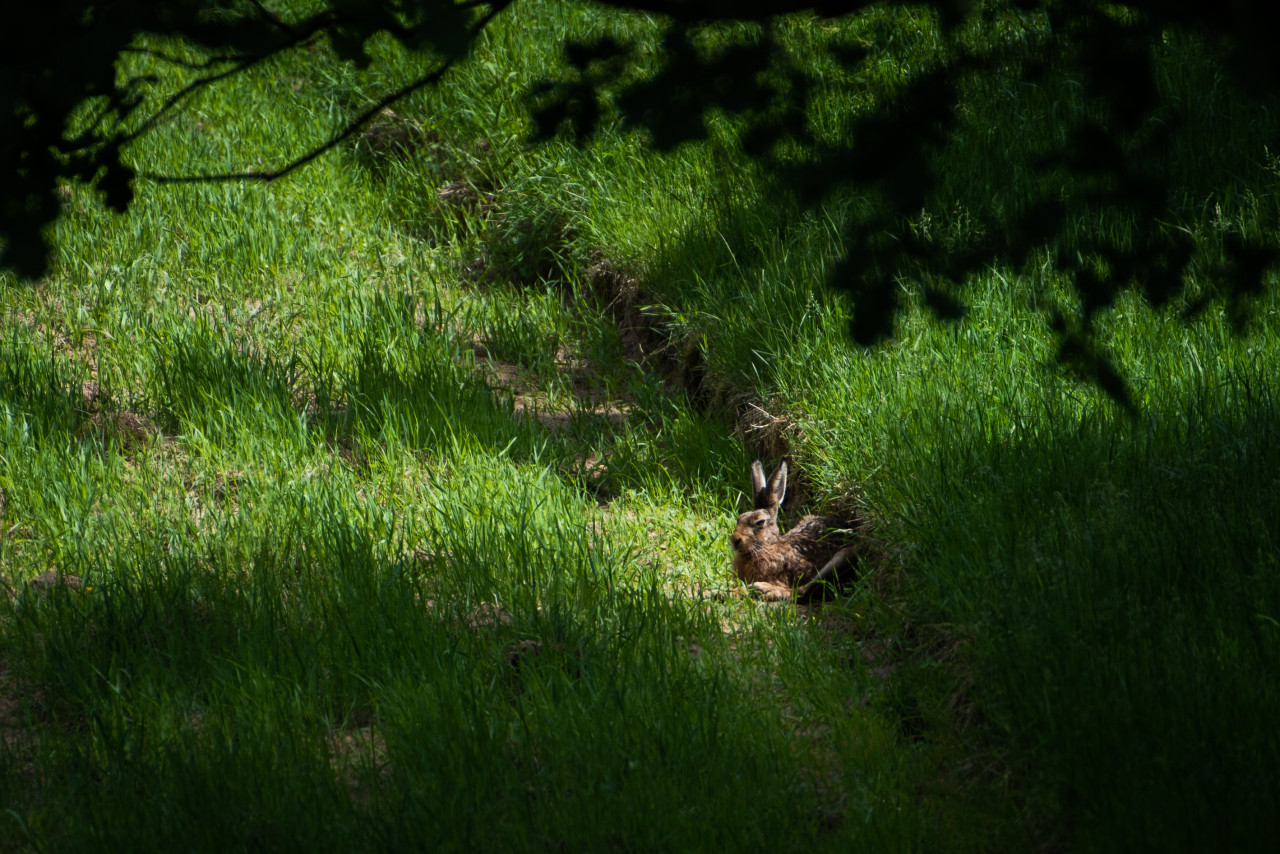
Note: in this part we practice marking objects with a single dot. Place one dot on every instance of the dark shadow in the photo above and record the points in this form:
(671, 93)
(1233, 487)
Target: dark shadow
(436, 404)
(46, 391)
(207, 381)
(1120, 587)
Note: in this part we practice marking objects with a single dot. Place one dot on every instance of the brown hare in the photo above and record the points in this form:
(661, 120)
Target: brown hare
(812, 553)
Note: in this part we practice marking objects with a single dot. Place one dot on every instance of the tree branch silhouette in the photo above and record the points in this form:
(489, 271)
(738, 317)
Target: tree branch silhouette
(1119, 146)
(352, 128)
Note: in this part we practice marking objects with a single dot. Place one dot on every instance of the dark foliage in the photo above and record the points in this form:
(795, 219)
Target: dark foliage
(64, 114)
(1121, 150)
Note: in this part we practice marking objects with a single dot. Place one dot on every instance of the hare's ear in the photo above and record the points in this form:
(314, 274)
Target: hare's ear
(777, 489)
(757, 486)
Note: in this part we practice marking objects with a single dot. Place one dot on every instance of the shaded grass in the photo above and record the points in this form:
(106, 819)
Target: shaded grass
(1121, 591)
(217, 683)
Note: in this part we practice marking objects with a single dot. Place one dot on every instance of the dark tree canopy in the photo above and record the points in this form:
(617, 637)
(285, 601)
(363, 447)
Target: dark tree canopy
(64, 113)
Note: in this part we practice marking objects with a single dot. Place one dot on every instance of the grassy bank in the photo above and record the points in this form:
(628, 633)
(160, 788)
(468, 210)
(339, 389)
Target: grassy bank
(394, 489)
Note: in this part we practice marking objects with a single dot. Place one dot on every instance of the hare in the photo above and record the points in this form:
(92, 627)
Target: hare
(774, 563)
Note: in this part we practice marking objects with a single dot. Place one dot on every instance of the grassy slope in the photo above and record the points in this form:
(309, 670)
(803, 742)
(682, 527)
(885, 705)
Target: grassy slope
(275, 428)
(1113, 580)
(338, 591)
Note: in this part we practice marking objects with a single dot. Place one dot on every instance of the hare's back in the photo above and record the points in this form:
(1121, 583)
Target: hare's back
(817, 538)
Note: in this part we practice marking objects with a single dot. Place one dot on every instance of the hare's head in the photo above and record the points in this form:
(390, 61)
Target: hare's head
(758, 527)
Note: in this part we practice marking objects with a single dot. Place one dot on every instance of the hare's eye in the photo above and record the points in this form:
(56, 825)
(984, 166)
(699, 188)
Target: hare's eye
(759, 523)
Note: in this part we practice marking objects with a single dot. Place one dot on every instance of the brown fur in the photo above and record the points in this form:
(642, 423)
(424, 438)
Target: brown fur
(774, 563)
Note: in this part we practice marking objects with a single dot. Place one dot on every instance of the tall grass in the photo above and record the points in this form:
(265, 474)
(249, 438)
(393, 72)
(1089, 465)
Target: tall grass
(387, 539)
(382, 540)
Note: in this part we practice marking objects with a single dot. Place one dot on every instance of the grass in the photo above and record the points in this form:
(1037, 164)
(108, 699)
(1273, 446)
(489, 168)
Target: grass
(393, 510)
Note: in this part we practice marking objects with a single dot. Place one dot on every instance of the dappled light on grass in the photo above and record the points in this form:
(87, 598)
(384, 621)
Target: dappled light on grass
(521, 683)
(400, 493)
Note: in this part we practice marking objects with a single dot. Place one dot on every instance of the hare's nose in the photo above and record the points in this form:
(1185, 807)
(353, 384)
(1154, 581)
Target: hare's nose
(736, 540)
